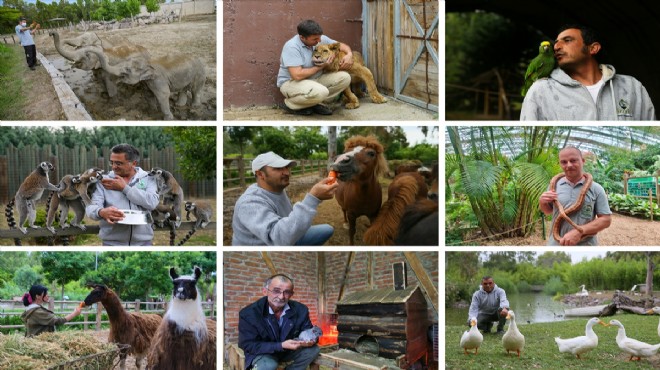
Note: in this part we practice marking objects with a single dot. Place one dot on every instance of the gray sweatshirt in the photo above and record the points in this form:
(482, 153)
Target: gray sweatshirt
(561, 98)
(262, 217)
(487, 303)
(140, 194)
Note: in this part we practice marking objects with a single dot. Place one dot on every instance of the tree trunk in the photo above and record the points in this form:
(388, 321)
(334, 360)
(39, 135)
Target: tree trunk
(650, 266)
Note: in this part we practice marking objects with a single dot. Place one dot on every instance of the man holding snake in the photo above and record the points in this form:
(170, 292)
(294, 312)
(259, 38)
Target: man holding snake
(585, 202)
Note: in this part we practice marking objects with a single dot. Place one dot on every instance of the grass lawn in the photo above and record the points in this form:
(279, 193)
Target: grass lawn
(12, 61)
(541, 351)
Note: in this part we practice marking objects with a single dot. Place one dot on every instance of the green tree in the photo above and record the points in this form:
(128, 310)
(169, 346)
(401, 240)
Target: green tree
(309, 140)
(152, 6)
(278, 140)
(197, 149)
(25, 277)
(504, 261)
(548, 259)
(133, 7)
(241, 136)
(64, 267)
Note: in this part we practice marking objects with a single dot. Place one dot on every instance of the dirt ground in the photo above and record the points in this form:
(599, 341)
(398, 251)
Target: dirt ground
(195, 35)
(393, 110)
(43, 104)
(624, 231)
(328, 212)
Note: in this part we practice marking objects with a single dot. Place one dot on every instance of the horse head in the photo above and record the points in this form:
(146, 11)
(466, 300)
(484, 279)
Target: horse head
(363, 159)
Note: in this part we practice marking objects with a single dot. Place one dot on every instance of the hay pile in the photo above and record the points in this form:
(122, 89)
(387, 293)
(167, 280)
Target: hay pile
(46, 350)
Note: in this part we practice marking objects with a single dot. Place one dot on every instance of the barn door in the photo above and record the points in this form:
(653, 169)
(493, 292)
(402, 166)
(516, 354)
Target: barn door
(416, 52)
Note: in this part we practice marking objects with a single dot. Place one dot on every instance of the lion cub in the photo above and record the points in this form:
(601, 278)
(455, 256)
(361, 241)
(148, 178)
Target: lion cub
(359, 73)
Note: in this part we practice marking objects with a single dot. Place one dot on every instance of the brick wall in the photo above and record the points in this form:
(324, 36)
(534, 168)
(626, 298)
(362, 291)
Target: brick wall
(245, 273)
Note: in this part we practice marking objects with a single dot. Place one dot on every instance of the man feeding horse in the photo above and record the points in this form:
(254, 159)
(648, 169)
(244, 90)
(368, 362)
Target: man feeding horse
(263, 215)
(578, 204)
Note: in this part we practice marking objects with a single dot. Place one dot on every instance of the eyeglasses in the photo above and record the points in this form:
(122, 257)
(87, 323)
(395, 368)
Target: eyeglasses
(276, 292)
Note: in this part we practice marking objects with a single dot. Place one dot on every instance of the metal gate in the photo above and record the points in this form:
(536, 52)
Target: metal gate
(416, 66)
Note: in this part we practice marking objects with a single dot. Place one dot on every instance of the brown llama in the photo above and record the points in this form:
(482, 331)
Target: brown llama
(405, 189)
(186, 339)
(358, 169)
(132, 328)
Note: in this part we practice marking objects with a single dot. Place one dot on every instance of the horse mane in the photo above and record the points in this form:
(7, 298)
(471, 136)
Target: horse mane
(373, 143)
(403, 191)
(418, 227)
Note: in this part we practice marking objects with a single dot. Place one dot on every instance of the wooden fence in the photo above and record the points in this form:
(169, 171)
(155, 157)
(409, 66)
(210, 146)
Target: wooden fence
(18, 163)
(244, 166)
(66, 307)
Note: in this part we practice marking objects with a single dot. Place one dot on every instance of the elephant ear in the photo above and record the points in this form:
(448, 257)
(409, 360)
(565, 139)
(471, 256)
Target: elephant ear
(143, 69)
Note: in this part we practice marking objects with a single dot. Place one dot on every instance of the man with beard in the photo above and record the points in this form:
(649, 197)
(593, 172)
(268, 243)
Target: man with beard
(263, 215)
(268, 327)
(583, 89)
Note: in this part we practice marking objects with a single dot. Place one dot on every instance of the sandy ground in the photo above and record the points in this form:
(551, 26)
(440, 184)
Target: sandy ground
(624, 231)
(195, 35)
(393, 110)
(328, 212)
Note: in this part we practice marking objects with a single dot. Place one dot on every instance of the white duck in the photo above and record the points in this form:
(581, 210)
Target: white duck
(513, 340)
(631, 346)
(655, 310)
(472, 338)
(580, 345)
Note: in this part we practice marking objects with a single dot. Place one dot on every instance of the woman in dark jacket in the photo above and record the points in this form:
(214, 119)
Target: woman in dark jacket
(38, 319)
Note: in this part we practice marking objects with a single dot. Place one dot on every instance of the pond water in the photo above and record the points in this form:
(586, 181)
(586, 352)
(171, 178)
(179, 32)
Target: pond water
(532, 307)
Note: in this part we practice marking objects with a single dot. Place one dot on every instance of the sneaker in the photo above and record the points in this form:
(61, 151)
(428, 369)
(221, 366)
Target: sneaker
(300, 112)
(322, 110)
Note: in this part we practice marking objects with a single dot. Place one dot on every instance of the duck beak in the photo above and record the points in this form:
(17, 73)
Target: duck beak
(603, 323)
(650, 312)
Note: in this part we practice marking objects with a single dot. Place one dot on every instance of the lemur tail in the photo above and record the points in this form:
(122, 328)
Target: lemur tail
(11, 221)
(187, 237)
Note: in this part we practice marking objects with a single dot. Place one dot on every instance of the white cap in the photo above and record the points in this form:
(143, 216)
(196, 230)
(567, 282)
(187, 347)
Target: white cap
(271, 159)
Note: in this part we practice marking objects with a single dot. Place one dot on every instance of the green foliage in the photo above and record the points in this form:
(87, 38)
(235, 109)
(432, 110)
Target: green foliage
(65, 267)
(554, 286)
(12, 60)
(197, 148)
(25, 277)
(505, 281)
(133, 7)
(524, 287)
(152, 6)
(630, 205)
(278, 140)
(424, 152)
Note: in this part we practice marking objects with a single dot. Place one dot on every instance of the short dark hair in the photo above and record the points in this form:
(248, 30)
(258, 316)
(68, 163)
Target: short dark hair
(589, 35)
(486, 277)
(35, 290)
(132, 154)
(309, 27)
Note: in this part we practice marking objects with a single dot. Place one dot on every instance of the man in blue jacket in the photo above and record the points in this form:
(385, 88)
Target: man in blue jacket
(489, 304)
(268, 328)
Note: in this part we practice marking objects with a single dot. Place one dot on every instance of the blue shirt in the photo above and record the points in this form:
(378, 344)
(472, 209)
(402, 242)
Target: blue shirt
(24, 36)
(295, 53)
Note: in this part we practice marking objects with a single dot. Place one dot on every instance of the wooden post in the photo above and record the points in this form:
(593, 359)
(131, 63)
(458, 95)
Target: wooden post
(85, 318)
(625, 183)
(241, 172)
(651, 202)
(99, 313)
(137, 305)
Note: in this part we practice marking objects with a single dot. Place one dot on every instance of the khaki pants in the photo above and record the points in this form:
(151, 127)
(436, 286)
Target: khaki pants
(307, 93)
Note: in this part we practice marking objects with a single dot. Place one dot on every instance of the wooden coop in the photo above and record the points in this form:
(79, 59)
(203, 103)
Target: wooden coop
(386, 322)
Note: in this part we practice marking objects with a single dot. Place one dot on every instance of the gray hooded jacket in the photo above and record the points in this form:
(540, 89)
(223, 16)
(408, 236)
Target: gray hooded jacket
(262, 217)
(487, 303)
(140, 194)
(561, 98)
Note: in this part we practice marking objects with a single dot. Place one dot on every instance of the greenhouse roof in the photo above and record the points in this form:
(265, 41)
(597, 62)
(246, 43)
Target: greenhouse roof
(588, 138)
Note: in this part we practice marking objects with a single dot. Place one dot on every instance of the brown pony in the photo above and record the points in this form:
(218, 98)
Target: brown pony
(405, 189)
(359, 192)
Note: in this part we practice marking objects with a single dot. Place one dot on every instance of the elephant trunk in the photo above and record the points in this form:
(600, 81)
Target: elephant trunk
(72, 56)
(113, 70)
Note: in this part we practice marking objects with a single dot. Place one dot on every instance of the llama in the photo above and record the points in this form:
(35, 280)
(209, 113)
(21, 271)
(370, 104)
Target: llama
(133, 328)
(185, 338)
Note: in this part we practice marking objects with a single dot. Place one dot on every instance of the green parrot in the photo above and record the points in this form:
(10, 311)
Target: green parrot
(540, 67)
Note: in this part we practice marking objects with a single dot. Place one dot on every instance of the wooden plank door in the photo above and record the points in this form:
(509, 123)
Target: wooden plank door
(416, 66)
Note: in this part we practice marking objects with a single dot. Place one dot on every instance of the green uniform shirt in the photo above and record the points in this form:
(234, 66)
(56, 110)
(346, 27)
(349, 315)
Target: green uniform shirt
(38, 320)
